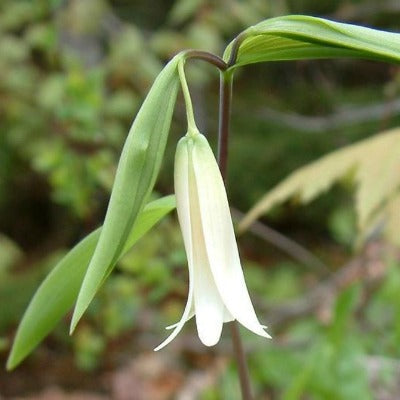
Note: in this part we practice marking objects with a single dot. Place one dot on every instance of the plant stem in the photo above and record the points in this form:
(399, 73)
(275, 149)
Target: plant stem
(235, 48)
(223, 139)
(243, 368)
(188, 101)
(208, 57)
(225, 98)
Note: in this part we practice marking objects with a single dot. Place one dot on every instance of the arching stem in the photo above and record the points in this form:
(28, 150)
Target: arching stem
(207, 57)
(188, 101)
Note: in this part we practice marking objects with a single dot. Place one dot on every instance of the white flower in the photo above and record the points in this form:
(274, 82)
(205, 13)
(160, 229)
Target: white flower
(217, 290)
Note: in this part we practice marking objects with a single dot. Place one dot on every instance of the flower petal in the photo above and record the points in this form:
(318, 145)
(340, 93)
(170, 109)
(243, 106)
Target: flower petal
(190, 316)
(219, 237)
(178, 326)
(228, 316)
(208, 305)
(209, 308)
(182, 194)
(181, 179)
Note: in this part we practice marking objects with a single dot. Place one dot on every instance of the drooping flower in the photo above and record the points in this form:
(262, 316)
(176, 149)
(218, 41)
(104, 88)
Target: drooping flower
(217, 290)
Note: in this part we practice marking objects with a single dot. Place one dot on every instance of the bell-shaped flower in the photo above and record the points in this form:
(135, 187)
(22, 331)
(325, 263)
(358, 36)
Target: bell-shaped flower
(217, 290)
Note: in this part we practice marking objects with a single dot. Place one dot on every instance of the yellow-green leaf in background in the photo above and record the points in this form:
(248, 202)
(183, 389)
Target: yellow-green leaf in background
(372, 164)
(385, 221)
(392, 220)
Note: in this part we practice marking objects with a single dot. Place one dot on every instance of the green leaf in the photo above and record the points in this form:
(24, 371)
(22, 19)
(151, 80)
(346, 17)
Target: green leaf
(295, 37)
(298, 384)
(136, 174)
(345, 307)
(183, 10)
(58, 292)
(373, 164)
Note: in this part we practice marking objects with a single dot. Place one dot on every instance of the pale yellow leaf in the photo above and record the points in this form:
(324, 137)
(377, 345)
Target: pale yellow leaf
(392, 226)
(378, 173)
(373, 165)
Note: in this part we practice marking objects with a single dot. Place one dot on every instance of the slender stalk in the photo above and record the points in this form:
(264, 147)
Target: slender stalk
(199, 55)
(188, 101)
(235, 48)
(208, 57)
(225, 99)
(244, 376)
(223, 138)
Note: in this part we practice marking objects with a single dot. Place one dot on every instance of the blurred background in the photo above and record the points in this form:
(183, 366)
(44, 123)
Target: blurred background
(72, 77)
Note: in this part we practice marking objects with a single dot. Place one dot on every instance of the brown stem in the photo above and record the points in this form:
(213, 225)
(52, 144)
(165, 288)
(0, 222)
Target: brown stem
(225, 98)
(223, 138)
(235, 48)
(238, 350)
(208, 57)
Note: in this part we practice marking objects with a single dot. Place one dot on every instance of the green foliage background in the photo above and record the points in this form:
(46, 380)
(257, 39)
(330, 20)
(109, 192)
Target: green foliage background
(73, 74)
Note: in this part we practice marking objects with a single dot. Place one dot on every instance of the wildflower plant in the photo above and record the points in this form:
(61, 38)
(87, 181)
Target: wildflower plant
(217, 290)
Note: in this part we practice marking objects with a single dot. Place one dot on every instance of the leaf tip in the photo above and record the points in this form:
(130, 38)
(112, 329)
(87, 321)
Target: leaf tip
(12, 361)
(74, 322)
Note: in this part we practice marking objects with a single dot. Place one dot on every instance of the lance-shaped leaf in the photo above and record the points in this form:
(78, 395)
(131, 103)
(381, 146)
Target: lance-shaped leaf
(58, 292)
(136, 174)
(295, 37)
(373, 164)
